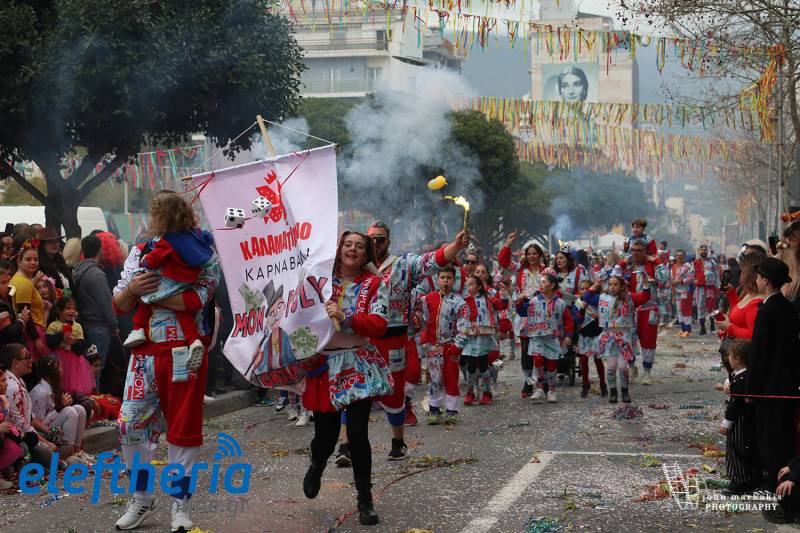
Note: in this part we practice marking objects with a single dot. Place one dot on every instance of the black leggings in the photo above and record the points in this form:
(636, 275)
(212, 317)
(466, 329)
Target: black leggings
(525, 359)
(480, 363)
(326, 433)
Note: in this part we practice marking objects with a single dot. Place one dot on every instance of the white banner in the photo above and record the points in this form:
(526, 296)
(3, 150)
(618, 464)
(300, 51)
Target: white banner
(277, 267)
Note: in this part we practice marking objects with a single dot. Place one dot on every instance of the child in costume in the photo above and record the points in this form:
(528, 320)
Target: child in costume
(616, 309)
(179, 256)
(549, 329)
(444, 317)
(65, 339)
(638, 228)
(481, 338)
(587, 343)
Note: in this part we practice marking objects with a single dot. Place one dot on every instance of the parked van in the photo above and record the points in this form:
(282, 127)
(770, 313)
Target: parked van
(89, 218)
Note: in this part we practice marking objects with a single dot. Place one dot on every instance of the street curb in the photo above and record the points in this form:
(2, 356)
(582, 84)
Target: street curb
(107, 437)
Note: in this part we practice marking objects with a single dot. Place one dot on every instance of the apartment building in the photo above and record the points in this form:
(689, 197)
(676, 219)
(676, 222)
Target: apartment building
(349, 55)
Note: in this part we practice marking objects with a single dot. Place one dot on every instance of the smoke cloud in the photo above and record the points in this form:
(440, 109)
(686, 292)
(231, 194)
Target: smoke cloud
(395, 139)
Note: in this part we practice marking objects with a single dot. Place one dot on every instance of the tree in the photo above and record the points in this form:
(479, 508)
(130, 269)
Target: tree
(509, 195)
(105, 77)
(325, 117)
(586, 200)
(744, 30)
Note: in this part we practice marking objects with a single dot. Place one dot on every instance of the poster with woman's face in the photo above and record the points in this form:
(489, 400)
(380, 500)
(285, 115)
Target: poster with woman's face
(576, 82)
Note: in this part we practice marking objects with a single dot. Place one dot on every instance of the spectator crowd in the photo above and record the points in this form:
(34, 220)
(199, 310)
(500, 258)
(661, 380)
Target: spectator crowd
(62, 358)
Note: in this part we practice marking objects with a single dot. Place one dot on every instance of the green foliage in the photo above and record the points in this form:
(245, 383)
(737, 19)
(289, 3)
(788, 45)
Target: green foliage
(325, 118)
(593, 200)
(510, 194)
(111, 76)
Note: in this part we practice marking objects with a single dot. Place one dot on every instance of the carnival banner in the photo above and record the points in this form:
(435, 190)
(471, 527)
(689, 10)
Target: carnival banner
(277, 262)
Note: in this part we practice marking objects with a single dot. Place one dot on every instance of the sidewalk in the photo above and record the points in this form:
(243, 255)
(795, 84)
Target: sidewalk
(107, 437)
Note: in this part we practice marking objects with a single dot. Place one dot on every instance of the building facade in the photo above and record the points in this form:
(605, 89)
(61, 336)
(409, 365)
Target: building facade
(352, 56)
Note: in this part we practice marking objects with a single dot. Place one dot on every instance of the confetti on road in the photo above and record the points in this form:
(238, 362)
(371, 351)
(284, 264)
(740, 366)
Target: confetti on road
(542, 524)
(627, 412)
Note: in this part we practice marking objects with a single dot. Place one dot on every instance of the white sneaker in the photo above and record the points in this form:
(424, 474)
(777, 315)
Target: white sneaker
(136, 513)
(181, 522)
(135, 338)
(292, 413)
(551, 397)
(646, 377)
(537, 395)
(196, 352)
(208, 399)
(302, 420)
(281, 404)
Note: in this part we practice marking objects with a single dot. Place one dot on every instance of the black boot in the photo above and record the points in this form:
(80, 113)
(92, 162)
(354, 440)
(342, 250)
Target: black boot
(613, 397)
(702, 326)
(585, 391)
(625, 396)
(313, 480)
(366, 510)
(603, 390)
(711, 326)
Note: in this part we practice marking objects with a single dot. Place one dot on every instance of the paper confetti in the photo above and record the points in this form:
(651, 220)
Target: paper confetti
(627, 412)
(542, 524)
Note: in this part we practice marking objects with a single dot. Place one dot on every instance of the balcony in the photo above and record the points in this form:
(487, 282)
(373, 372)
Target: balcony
(347, 87)
(344, 47)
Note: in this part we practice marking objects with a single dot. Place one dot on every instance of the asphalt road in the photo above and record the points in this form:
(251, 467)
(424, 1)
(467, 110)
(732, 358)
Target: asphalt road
(501, 466)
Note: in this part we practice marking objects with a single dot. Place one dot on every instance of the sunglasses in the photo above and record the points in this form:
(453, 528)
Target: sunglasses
(470, 262)
(379, 240)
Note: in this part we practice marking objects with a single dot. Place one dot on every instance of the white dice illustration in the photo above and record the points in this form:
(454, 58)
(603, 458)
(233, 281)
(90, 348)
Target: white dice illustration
(261, 206)
(234, 217)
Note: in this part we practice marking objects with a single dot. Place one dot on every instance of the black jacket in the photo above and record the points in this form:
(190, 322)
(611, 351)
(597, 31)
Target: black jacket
(736, 405)
(775, 365)
(14, 332)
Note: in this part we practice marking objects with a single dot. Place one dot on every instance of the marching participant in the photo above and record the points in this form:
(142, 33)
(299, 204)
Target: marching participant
(445, 318)
(706, 284)
(359, 303)
(151, 388)
(616, 308)
(402, 274)
(527, 276)
(587, 343)
(549, 329)
(571, 274)
(681, 279)
(481, 338)
(640, 271)
(664, 292)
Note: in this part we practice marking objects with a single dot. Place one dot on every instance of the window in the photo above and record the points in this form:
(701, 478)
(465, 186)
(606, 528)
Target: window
(331, 78)
(373, 75)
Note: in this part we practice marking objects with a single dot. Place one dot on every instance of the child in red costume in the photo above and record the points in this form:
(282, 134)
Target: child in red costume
(178, 256)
